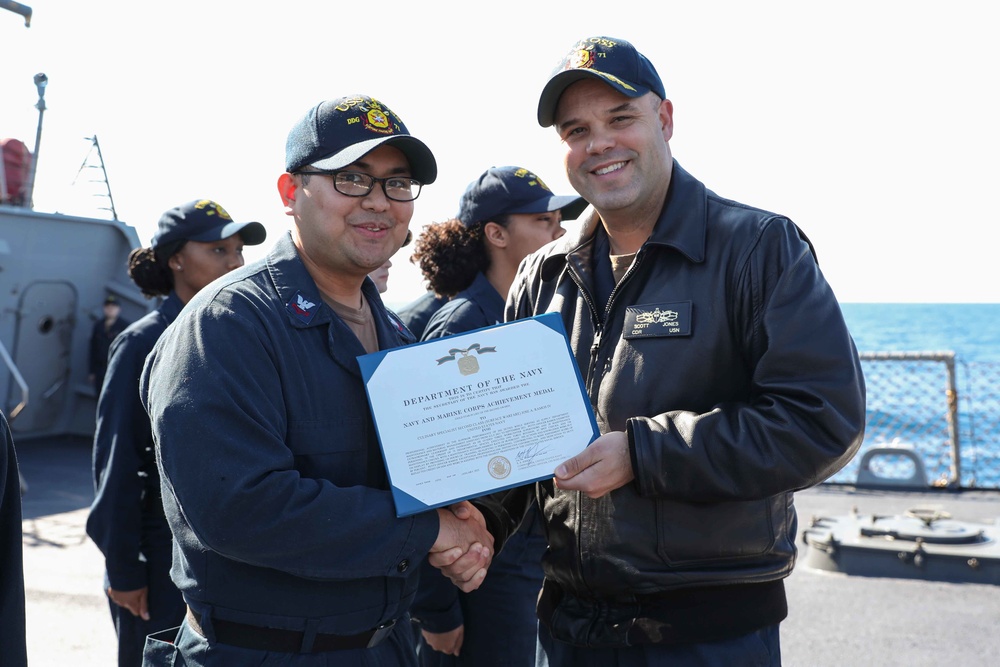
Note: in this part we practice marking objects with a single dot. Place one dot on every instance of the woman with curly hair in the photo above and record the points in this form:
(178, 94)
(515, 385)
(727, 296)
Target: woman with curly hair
(194, 244)
(504, 215)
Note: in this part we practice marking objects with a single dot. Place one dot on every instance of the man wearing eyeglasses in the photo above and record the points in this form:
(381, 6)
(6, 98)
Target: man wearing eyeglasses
(287, 543)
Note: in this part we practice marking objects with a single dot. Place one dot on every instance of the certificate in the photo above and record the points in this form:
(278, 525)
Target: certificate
(475, 413)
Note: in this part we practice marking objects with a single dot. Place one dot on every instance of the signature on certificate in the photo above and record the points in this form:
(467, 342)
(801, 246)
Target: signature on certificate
(527, 455)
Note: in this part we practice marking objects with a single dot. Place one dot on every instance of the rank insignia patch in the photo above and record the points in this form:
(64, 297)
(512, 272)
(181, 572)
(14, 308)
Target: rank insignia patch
(302, 308)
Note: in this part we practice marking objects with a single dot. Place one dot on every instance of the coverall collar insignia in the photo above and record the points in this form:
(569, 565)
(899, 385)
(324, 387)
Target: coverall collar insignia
(301, 308)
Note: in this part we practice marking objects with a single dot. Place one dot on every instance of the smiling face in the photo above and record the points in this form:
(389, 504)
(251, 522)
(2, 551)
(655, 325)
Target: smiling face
(617, 155)
(344, 238)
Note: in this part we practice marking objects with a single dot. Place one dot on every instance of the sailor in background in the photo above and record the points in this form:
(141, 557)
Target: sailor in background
(194, 244)
(13, 650)
(418, 312)
(380, 276)
(505, 214)
(105, 330)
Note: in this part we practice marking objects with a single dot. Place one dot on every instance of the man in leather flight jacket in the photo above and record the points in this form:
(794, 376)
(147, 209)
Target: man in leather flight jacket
(722, 376)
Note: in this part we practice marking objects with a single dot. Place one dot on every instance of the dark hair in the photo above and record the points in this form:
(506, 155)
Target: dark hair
(450, 254)
(150, 271)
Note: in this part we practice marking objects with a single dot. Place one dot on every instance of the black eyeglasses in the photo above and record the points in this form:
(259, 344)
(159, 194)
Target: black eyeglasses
(358, 184)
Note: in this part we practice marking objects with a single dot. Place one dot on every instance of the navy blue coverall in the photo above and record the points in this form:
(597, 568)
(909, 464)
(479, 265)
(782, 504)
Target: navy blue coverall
(499, 617)
(126, 519)
(13, 651)
(273, 480)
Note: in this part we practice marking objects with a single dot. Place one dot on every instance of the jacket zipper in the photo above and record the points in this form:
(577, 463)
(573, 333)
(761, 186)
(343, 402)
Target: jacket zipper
(593, 382)
(593, 374)
(598, 327)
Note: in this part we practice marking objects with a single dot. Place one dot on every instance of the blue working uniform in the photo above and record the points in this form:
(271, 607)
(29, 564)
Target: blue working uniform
(273, 480)
(101, 338)
(499, 617)
(416, 314)
(12, 628)
(126, 519)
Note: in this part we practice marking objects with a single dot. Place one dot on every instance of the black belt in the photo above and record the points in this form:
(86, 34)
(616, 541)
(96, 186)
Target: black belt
(260, 638)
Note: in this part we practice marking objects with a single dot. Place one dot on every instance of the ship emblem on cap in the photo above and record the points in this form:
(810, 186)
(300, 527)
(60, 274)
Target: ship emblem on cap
(377, 118)
(582, 58)
(211, 208)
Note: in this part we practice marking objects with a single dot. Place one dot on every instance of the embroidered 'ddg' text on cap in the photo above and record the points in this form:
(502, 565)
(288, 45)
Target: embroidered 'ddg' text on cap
(658, 319)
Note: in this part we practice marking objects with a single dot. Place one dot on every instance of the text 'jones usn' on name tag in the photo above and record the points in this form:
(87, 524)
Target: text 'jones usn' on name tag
(658, 319)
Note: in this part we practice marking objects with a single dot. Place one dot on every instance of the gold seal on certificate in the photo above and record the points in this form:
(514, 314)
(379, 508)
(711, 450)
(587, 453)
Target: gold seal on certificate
(479, 412)
(499, 467)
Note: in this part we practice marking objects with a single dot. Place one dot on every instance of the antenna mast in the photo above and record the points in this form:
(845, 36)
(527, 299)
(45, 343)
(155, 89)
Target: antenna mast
(94, 145)
(41, 81)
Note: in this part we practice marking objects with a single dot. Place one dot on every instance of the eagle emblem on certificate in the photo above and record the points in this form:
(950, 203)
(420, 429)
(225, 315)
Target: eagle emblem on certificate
(467, 362)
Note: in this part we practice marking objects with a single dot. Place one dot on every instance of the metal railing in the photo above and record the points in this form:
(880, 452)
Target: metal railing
(15, 373)
(944, 410)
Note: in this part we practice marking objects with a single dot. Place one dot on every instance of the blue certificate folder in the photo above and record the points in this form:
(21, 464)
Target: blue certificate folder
(478, 412)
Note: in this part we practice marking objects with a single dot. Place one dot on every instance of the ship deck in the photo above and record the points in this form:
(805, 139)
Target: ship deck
(834, 619)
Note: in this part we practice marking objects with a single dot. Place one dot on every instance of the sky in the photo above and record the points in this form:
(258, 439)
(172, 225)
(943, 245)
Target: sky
(871, 124)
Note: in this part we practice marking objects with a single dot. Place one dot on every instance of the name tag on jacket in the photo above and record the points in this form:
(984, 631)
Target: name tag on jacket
(658, 319)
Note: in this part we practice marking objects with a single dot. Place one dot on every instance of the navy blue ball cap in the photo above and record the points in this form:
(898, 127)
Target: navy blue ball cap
(203, 220)
(337, 133)
(613, 61)
(504, 190)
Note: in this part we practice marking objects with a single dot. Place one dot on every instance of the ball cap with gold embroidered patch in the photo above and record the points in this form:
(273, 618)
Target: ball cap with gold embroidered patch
(337, 133)
(613, 61)
(504, 190)
(203, 220)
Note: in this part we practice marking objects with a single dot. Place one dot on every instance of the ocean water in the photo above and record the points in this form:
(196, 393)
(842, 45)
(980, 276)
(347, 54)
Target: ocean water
(970, 330)
(908, 401)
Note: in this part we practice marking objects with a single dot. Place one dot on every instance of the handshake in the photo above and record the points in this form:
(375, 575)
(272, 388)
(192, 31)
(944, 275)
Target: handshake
(463, 550)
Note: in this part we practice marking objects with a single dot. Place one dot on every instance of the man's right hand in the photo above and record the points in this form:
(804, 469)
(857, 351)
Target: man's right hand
(136, 601)
(449, 643)
(464, 548)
